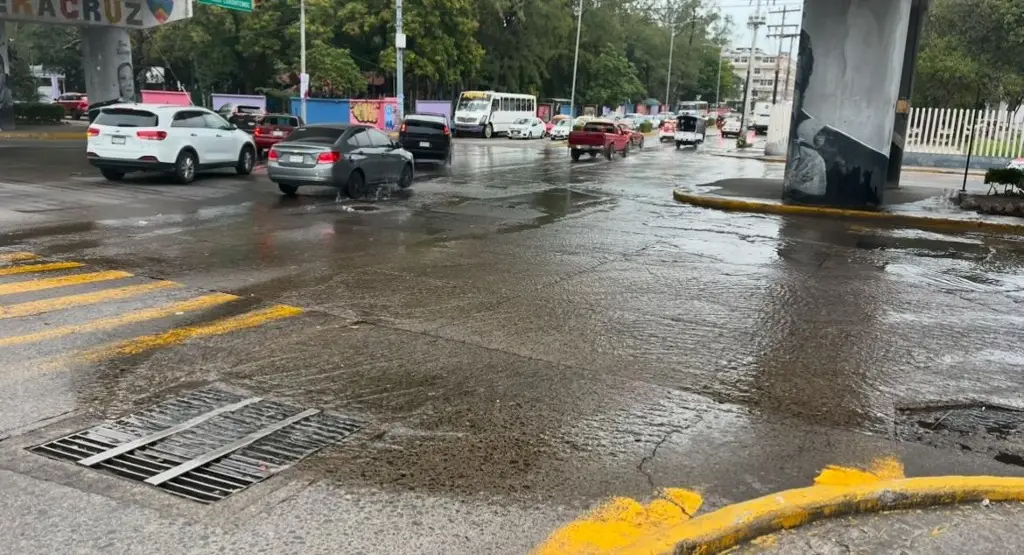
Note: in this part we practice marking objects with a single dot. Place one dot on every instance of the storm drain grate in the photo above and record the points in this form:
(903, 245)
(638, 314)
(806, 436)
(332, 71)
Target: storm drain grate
(204, 446)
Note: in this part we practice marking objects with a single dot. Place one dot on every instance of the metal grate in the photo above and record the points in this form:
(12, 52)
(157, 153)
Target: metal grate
(204, 446)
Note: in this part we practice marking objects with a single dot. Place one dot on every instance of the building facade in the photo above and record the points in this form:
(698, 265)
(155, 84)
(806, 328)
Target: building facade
(767, 69)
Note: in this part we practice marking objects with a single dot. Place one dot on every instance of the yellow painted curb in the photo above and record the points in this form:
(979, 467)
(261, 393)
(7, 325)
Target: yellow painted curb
(55, 136)
(735, 524)
(667, 525)
(908, 220)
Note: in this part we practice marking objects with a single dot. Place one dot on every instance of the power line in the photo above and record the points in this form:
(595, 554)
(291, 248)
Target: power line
(782, 34)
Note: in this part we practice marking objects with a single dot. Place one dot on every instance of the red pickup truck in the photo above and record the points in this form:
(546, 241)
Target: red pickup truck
(599, 137)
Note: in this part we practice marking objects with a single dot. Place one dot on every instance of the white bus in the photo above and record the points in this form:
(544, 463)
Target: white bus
(490, 113)
(697, 108)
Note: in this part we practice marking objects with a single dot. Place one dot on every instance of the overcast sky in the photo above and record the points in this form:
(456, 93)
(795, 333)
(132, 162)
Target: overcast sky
(740, 10)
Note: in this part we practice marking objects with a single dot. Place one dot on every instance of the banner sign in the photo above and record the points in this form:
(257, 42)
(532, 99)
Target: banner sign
(130, 14)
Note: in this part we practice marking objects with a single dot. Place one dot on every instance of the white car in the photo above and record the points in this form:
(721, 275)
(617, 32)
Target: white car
(667, 131)
(527, 128)
(180, 140)
(731, 128)
(561, 130)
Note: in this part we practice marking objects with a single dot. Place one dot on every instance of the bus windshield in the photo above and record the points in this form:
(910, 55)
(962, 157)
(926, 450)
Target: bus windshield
(701, 107)
(474, 102)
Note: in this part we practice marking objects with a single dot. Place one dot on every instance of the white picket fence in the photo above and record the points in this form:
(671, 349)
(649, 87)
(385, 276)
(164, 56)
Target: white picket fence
(948, 131)
(933, 131)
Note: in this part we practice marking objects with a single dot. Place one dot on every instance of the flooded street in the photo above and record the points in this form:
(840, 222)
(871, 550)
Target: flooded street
(517, 336)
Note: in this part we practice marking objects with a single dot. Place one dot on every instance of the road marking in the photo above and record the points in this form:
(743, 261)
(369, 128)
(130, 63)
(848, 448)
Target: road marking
(59, 303)
(32, 268)
(199, 303)
(180, 335)
(63, 281)
(17, 256)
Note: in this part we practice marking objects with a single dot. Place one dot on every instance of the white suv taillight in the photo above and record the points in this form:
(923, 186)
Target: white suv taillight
(93, 131)
(150, 135)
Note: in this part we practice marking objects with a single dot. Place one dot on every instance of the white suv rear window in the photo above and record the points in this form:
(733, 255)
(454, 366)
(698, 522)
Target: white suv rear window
(122, 117)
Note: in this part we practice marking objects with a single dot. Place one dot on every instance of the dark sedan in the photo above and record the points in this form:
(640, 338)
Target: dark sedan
(354, 158)
(427, 137)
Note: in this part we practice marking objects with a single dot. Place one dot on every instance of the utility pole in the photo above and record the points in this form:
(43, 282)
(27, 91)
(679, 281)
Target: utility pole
(400, 59)
(783, 33)
(575, 64)
(671, 44)
(303, 76)
(718, 87)
(754, 22)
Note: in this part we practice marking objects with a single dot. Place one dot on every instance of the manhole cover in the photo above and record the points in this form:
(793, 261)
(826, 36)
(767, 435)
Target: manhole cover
(989, 429)
(204, 446)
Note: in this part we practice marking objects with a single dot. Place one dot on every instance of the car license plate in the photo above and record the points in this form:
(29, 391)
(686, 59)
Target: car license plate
(295, 158)
(279, 133)
(425, 144)
(117, 140)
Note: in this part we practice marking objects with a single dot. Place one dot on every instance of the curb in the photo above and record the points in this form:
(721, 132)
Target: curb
(44, 136)
(737, 205)
(735, 524)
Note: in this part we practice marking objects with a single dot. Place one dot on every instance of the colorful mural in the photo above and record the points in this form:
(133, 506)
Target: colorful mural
(381, 113)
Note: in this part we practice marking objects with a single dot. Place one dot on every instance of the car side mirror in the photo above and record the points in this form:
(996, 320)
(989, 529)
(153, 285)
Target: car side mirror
(232, 127)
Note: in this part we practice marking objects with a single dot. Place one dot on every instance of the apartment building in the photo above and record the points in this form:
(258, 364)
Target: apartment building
(762, 84)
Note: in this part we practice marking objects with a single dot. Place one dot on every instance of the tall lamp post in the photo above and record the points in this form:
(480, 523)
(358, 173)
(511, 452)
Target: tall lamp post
(718, 85)
(575, 62)
(303, 77)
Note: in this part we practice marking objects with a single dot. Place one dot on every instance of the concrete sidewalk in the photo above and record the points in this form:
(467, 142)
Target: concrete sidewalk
(68, 130)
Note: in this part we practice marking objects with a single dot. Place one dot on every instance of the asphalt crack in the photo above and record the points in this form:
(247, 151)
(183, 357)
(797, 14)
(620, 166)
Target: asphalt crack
(654, 453)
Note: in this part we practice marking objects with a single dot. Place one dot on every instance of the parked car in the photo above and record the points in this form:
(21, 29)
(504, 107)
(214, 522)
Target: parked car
(350, 157)
(731, 128)
(599, 136)
(272, 129)
(244, 117)
(636, 138)
(180, 140)
(75, 104)
(427, 137)
(667, 131)
(554, 121)
(561, 130)
(527, 128)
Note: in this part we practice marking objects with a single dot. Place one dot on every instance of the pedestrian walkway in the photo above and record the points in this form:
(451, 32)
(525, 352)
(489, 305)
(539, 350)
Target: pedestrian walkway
(57, 314)
(65, 131)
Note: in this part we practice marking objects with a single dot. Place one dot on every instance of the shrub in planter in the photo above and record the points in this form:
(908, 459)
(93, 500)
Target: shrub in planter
(646, 127)
(38, 112)
(1005, 176)
(741, 142)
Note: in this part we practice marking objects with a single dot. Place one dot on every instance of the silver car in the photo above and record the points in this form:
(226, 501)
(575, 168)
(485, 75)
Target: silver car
(354, 158)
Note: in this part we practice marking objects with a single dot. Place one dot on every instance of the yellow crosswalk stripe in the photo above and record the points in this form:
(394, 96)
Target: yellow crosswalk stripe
(17, 256)
(70, 301)
(198, 303)
(32, 268)
(62, 281)
(180, 335)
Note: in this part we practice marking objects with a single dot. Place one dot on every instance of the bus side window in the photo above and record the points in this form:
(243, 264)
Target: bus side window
(495, 105)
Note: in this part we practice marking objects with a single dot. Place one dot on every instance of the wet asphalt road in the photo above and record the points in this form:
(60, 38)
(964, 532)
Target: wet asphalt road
(519, 333)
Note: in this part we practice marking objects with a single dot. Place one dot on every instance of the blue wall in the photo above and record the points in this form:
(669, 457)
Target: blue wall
(322, 110)
(564, 109)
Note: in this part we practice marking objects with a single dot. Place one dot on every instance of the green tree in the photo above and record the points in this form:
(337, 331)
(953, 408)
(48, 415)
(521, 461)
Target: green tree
(612, 79)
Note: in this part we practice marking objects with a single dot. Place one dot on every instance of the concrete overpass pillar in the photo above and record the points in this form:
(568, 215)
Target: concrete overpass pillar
(107, 61)
(847, 84)
(6, 94)
(918, 15)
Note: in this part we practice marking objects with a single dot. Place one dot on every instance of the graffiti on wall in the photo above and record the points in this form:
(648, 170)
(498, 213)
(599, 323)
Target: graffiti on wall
(6, 94)
(382, 114)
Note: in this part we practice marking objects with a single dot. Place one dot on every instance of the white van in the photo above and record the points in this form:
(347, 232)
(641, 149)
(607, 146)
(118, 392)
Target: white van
(489, 113)
(760, 116)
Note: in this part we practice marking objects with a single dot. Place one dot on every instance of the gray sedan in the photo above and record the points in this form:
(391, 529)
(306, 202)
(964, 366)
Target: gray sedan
(354, 158)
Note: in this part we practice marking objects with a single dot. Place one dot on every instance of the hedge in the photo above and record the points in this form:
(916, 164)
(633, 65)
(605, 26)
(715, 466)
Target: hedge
(646, 126)
(38, 112)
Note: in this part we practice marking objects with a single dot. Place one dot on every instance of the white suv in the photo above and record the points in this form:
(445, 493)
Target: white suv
(180, 140)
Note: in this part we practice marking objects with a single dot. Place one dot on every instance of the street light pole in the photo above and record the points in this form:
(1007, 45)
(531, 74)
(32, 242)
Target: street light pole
(400, 59)
(671, 44)
(718, 86)
(575, 63)
(303, 78)
(755, 23)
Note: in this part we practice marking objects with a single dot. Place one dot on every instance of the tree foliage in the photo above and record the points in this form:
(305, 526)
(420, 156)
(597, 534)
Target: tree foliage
(972, 55)
(511, 45)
